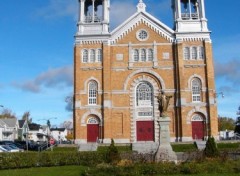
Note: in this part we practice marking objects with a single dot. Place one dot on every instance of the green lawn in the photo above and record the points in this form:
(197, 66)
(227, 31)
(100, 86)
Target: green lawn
(72, 171)
(46, 171)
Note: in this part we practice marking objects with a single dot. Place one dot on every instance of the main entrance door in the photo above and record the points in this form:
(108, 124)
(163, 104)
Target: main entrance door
(197, 128)
(92, 130)
(145, 131)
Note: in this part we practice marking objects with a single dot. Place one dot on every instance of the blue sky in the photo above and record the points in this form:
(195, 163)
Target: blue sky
(36, 52)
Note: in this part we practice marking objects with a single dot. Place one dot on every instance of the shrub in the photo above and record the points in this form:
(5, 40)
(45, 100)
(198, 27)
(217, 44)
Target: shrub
(211, 148)
(112, 155)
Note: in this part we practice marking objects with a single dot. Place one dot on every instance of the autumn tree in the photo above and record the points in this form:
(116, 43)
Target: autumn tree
(7, 113)
(226, 123)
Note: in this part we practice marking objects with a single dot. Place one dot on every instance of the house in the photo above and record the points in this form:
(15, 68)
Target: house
(37, 132)
(59, 134)
(119, 74)
(23, 129)
(9, 129)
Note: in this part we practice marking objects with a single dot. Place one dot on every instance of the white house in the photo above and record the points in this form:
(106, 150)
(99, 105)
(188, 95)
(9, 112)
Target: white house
(9, 129)
(59, 134)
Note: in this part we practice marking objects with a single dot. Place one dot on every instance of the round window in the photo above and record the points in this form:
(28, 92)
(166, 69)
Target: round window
(142, 35)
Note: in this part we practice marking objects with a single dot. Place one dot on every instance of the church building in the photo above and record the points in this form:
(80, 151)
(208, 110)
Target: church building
(119, 74)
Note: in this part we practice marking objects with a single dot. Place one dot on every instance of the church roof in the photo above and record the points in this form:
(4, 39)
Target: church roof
(141, 16)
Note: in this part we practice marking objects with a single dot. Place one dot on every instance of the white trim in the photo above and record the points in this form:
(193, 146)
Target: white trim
(138, 18)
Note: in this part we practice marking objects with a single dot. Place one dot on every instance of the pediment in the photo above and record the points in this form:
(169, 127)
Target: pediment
(142, 20)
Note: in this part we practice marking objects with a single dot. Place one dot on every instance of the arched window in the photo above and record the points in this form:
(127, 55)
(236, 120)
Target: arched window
(85, 56)
(92, 55)
(143, 55)
(92, 93)
(196, 90)
(200, 52)
(99, 55)
(186, 53)
(135, 55)
(150, 55)
(144, 94)
(194, 53)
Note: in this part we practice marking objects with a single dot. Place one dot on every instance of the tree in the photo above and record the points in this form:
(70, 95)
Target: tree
(225, 123)
(237, 127)
(26, 116)
(67, 124)
(7, 113)
(211, 149)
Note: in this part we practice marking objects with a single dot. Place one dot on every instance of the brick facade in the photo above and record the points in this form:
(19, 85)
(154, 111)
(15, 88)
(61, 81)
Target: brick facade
(118, 76)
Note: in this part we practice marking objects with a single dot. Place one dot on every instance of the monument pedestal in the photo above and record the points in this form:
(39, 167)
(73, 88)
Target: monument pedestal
(165, 152)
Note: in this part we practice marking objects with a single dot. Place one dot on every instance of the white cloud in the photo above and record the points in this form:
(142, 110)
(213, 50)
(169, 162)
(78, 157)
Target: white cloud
(120, 11)
(59, 8)
(53, 78)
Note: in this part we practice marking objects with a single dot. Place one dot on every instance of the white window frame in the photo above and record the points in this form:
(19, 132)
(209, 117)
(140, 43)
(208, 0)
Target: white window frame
(92, 93)
(92, 56)
(196, 87)
(143, 55)
(135, 55)
(99, 55)
(150, 54)
(186, 53)
(194, 53)
(84, 56)
(201, 52)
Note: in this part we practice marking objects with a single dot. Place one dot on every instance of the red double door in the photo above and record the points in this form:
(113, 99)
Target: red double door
(145, 131)
(198, 130)
(92, 132)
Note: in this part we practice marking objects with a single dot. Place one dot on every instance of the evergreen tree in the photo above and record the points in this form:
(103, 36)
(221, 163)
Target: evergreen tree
(112, 153)
(211, 149)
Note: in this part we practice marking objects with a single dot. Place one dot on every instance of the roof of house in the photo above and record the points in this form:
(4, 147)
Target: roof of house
(34, 126)
(21, 123)
(57, 129)
(10, 122)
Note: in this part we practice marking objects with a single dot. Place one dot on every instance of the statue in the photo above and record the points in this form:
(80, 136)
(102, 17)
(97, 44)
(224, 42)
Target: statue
(163, 103)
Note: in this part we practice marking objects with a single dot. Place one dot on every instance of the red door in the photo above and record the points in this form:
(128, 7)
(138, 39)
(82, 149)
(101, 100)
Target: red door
(92, 132)
(198, 130)
(145, 131)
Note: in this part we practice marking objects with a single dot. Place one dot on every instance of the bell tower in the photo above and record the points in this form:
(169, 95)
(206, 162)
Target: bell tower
(93, 17)
(189, 16)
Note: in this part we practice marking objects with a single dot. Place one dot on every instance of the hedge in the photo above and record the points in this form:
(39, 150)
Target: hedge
(48, 159)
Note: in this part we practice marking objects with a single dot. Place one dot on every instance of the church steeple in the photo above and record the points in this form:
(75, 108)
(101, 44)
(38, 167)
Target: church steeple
(93, 17)
(189, 15)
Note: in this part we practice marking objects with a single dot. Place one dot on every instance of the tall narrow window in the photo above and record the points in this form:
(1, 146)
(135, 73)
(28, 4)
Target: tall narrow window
(143, 55)
(150, 55)
(92, 93)
(85, 56)
(200, 52)
(196, 90)
(186, 53)
(194, 53)
(144, 94)
(135, 55)
(99, 55)
(92, 55)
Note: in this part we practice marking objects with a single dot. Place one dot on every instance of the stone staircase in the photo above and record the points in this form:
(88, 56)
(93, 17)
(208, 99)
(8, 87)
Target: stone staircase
(201, 145)
(88, 147)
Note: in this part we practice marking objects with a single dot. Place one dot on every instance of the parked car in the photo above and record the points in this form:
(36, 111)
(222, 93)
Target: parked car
(15, 148)
(9, 149)
(2, 149)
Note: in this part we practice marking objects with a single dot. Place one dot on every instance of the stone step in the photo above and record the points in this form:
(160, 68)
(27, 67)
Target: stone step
(88, 147)
(201, 145)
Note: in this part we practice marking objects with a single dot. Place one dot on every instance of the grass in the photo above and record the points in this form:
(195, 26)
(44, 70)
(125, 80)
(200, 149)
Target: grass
(228, 146)
(46, 171)
(77, 171)
(184, 147)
